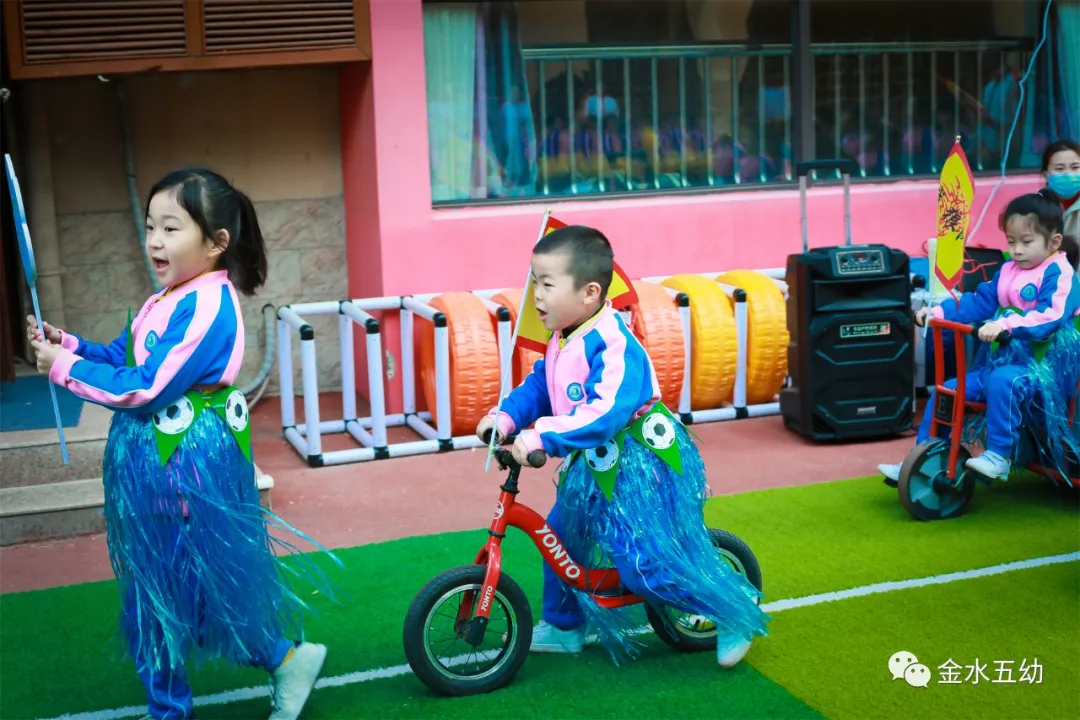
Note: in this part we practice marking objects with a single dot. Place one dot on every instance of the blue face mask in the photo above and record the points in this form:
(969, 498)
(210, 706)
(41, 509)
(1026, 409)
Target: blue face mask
(1066, 184)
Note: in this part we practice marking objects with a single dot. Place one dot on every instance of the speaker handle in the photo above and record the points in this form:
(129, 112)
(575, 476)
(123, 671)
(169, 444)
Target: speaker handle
(846, 168)
(844, 165)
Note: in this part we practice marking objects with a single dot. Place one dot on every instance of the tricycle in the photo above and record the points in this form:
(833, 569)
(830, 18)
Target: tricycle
(934, 481)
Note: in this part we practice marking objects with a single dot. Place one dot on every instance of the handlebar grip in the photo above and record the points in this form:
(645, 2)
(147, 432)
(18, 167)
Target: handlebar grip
(537, 459)
(844, 165)
(1004, 337)
(487, 436)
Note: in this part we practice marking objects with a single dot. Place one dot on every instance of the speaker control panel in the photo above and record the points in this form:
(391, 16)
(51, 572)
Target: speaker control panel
(853, 261)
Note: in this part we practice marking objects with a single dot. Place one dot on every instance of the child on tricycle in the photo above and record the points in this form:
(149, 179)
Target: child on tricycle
(632, 485)
(1029, 369)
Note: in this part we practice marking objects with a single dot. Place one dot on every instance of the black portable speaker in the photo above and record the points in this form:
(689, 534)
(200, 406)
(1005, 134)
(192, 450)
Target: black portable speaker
(851, 355)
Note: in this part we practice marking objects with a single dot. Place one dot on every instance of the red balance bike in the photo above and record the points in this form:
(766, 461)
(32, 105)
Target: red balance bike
(934, 482)
(469, 629)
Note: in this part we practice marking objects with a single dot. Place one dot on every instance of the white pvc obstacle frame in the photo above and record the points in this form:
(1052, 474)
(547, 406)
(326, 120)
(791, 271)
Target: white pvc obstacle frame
(370, 432)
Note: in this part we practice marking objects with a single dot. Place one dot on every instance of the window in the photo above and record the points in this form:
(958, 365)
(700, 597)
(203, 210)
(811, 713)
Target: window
(547, 98)
(896, 82)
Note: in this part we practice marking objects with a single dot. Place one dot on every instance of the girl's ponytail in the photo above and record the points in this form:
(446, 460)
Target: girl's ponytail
(245, 258)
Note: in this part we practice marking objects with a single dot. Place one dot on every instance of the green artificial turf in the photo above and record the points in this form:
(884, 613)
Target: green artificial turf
(812, 539)
(835, 656)
(831, 536)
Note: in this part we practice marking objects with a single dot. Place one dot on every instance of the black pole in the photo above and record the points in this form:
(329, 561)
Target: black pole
(802, 81)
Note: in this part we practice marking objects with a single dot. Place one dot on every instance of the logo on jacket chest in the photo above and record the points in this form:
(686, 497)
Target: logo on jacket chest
(1029, 292)
(575, 392)
(151, 340)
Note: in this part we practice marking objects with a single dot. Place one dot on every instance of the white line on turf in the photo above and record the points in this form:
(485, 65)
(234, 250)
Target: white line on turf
(354, 678)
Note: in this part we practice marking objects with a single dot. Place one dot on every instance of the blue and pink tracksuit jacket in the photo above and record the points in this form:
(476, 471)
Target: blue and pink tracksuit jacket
(1048, 297)
(587, 387)
(186, 337)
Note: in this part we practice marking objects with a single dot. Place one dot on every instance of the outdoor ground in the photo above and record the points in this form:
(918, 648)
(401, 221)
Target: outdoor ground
(850, 579)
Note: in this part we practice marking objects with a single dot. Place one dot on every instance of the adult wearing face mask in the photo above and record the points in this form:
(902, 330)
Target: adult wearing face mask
(1061, 168)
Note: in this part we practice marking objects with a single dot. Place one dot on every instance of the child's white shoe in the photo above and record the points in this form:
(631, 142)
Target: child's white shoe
(550, 639)
(731, 650)
(293, 681)
(891, 473)
(991, 465)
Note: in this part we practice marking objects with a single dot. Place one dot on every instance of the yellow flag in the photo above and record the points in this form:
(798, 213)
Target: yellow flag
(532, 334)
(956, 192)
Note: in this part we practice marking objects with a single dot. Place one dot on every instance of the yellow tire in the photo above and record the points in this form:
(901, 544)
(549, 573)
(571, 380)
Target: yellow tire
(767, 334)
(712, 333)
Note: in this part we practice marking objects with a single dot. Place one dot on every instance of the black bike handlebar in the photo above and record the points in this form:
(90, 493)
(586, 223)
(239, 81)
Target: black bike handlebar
(537, 458)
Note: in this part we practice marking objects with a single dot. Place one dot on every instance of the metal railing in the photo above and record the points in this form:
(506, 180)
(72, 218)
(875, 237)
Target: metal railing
(883, 104)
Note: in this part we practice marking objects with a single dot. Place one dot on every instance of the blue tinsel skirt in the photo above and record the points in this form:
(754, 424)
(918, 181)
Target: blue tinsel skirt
(654, 526)
(191, 548)
(1054, 380)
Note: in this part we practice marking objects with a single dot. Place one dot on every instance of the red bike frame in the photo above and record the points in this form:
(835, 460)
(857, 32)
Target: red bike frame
(960, 405)
(955, 423)
(603, 584)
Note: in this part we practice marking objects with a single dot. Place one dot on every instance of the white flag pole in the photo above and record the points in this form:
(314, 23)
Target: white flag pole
(513, 341)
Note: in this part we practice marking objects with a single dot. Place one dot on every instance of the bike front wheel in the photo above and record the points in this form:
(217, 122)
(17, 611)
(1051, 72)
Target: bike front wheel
(438, 625)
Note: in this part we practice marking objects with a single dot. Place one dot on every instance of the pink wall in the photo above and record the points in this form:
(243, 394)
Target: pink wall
(472, 248)
(397, 243)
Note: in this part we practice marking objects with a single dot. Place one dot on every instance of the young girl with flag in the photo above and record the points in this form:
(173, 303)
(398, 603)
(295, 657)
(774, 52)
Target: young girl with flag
(188, 540)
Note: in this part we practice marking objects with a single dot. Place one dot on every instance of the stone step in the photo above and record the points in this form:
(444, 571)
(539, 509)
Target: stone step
(43, 512)
(33, 457)
(29, 465)
(33, 513)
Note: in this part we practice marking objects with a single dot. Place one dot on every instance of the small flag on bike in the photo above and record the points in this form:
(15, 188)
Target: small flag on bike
(531, 334)
(956, 193)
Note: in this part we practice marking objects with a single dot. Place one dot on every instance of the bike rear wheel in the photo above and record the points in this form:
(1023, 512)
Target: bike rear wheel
(439, 620)
(688, 632)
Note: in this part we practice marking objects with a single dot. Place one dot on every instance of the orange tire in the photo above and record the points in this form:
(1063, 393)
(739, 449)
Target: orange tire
(474, 361)
(656, 323)
(523, 360)
(712, 347)
(766, 334)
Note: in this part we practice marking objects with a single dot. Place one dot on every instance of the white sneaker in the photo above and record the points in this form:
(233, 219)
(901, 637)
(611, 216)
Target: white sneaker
(550, 639)
(293, 681)
(891, 473)
(730, 650)
(991, 465)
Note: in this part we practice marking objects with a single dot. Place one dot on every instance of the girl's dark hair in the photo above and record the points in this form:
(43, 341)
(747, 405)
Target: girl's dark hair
(214, 204)
(1054, 148)
(1044, 207)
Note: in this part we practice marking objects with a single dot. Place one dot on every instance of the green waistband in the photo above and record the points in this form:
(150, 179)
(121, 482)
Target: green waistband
(1039, 348)
(654, 430)
(172, 423)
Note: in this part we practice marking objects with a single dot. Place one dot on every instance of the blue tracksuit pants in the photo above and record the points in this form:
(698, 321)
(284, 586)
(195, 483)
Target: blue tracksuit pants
(168, 694)
(641, 575)
(1006, 390)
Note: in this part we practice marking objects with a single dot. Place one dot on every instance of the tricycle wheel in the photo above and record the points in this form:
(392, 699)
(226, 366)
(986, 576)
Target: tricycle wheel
(688, 632)
(438, 623)
(925, 490)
